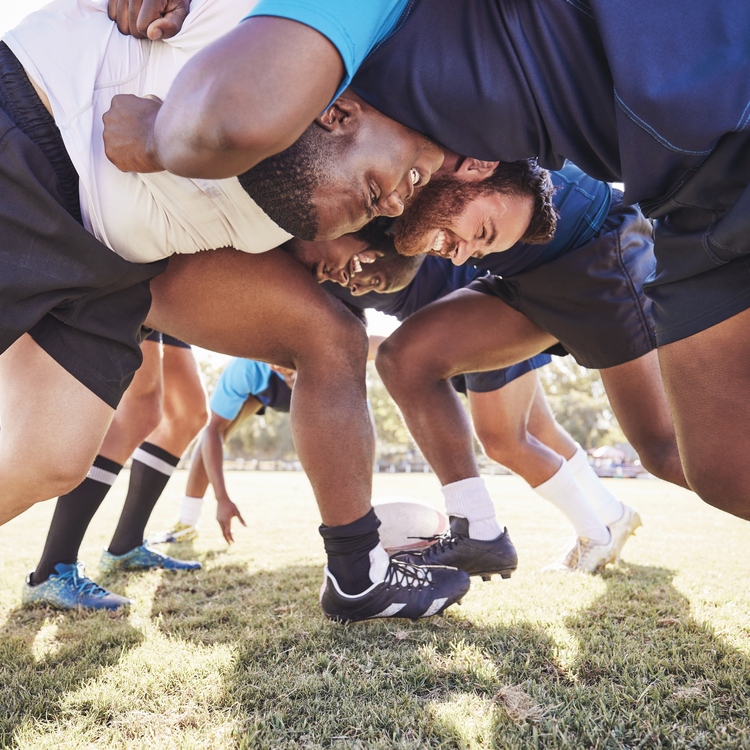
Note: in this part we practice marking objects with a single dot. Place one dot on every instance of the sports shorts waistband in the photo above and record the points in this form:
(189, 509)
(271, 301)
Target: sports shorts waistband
(20, 102)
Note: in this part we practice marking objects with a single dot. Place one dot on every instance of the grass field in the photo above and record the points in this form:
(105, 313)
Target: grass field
(655, 653)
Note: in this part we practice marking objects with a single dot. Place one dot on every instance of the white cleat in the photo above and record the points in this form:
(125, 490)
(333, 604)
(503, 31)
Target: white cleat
(623, 529)
(592, 557)
(565, 564)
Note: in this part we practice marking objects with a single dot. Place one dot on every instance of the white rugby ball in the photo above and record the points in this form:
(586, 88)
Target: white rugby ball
(408, 524)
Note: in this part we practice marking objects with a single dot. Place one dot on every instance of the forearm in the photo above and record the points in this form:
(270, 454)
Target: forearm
(212, 452)
(220, 118)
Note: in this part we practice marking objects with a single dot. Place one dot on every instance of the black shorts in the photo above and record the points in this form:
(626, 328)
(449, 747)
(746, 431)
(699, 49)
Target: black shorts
(591, 299)
(494, 380)
(277, 396)
(82, 303)
(166, 339)
(702, 245)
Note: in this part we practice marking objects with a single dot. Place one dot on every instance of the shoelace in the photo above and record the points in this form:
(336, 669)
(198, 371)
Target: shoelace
(446, 540)
(85, 586)
(585, 548)
(407, 576)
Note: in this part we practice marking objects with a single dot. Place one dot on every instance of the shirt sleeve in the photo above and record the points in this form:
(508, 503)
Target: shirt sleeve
(240, 379)
(354, 27)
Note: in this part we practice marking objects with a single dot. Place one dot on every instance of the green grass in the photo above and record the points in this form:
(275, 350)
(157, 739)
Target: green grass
(655, 653)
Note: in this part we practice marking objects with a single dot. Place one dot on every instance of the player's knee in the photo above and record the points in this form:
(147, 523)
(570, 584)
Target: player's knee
(396, 367)
(661, 458)
(146, 411)
(337, 342)
(720, 482)
(511, 451)
(198, 419)
(58, 479)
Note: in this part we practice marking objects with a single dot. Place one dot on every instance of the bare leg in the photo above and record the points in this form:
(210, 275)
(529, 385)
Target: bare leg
(268, 307)
(501, 420)
(52, 426)
(184, 411)
(466, 331)
(636, 393)
(707, 379)
(140, 410)
(545, 428)
(183, 414)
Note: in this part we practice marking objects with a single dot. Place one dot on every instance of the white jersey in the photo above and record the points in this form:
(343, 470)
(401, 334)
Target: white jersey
(80, 60)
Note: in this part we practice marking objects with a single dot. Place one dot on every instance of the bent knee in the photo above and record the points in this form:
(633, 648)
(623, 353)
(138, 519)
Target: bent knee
(400, 364)
(44, 483)
(336, 340)
(723, 483)
(662, 459)
(502, 449)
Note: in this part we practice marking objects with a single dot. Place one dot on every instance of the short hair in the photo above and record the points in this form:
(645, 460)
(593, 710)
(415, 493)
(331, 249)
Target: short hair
(284, 185)
(446, 196)
(401, 268)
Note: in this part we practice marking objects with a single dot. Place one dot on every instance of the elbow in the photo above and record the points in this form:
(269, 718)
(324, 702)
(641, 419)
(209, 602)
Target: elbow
(214, 145)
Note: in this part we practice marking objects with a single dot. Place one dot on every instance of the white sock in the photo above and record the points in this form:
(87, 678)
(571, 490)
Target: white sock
(607, 506)
(470, 499)
(564, 492)
(190, 512)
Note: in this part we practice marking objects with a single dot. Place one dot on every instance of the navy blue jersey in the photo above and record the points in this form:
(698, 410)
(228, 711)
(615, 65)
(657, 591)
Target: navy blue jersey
(637, 91)
(436, 278)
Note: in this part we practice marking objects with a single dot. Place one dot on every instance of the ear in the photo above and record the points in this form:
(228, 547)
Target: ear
(339, 114)
(474, 170)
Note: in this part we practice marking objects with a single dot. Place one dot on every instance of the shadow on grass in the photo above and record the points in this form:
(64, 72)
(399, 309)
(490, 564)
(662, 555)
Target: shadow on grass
(46, 654)
(641, 672)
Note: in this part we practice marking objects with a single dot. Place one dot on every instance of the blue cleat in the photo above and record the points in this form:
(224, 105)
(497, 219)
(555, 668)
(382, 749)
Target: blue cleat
(69, 588)
(144, 558)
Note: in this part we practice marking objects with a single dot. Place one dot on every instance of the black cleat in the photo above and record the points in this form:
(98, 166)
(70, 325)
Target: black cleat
(408, 591)
(476, 557)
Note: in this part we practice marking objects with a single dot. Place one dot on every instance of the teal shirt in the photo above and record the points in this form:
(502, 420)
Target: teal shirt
(354, 27)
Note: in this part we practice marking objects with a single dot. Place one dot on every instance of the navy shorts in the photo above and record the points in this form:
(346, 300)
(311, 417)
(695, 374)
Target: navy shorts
(166, 339)
(702, 274)
(591, 299)
(277, 396)
(494, 380)
(81, 302)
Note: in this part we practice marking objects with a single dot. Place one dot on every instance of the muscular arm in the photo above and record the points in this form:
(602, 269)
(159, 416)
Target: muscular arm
(245, 97)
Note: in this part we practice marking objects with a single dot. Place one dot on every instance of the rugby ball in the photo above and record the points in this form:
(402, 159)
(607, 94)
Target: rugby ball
(408, 524)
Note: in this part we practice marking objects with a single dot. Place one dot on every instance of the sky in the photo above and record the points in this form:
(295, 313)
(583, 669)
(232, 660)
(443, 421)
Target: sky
(12, 11)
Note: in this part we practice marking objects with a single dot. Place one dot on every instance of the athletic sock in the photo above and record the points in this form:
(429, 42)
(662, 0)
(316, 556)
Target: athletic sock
(607, 506)
(73, 514)
(564, 492)
(190, 510)
(470, 499)
(354, 553)
(152, 466)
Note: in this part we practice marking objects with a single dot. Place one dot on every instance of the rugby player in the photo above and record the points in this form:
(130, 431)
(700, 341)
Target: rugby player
(655, 95)
(509, 410)
(245, 388)
(72, 308)
(159, 415)
(583, 289)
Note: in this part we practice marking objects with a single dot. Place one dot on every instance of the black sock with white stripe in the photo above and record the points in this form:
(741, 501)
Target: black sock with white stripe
(348, 548)
(73, 514)
(152, 466)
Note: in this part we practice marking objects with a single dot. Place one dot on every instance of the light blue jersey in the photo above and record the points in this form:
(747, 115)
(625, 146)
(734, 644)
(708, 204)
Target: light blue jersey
(354, 27)
(240, 379)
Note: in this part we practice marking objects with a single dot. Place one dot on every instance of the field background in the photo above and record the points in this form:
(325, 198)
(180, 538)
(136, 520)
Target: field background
(655, 653)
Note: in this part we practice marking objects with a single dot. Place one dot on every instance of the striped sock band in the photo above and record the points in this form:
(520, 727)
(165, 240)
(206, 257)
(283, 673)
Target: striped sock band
(103, 470)
(156, 458)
